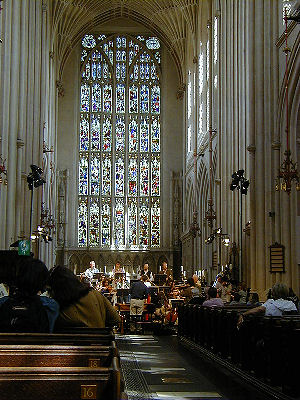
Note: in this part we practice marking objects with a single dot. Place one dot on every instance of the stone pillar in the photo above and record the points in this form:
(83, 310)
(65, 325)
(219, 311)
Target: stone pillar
(19, 201)
(13, 114)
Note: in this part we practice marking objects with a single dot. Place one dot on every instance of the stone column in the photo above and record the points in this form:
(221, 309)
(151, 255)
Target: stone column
(13, 115)
(19, 201)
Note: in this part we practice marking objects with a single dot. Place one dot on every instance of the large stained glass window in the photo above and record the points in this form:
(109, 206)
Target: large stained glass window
(119, 169)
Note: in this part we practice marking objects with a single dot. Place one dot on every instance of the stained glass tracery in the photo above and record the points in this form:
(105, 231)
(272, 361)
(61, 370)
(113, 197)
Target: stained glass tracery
(119, 142)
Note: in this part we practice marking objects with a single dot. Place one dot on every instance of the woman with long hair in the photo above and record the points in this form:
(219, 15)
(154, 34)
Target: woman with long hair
(80, 305)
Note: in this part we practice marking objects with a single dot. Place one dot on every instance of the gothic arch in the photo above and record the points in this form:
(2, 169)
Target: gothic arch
(127, 264)
(74, 264)
(150, 260)
(101, 262)
(136, 263)
(161, 260)
(109, 264)
(85, 261)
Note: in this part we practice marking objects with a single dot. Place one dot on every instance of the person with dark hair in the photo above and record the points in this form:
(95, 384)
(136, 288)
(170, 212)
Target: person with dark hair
(243, 292)
(235, 298)
(138, 295)
(213, 300)
(276, 306)
(80, 305)
(190, 291)
(254, 300)
(25, 310)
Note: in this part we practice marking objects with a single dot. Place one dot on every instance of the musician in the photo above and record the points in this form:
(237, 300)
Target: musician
(118, 269)
(147, 272)
(166, 271)
(89, 273)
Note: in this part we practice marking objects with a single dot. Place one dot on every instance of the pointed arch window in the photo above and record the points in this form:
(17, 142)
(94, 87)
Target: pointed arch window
(119, 169)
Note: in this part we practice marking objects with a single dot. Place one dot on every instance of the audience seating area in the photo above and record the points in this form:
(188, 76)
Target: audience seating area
(264, 348)
(66, 366)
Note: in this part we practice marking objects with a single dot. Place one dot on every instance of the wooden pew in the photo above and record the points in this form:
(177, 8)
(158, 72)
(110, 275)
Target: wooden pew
(83, 330)
(56, 356)
(57, 338)
(264, 347)
(60, 383)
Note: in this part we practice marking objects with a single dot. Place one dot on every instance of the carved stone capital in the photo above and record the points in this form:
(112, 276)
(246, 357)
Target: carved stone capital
(180, 91)
(20, 143)
(251, 148)
(276, 145)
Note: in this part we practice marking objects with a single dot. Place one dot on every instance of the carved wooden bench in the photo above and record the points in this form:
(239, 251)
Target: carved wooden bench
(60, 383)
(56, 356)
(57, 338)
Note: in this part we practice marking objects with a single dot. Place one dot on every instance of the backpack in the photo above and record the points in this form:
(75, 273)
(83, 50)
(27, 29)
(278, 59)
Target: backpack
(23, 314)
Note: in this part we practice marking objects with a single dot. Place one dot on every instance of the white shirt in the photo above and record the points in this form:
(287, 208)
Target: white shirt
(89, 273)
(3, 291)
(275, 308)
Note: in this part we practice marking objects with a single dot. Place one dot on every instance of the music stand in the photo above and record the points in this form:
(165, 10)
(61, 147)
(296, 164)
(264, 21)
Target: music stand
(160, 279)
(119, 275)
(97, 275)
(123, 295)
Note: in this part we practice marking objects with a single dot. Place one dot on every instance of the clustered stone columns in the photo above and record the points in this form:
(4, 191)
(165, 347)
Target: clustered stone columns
(24, 102)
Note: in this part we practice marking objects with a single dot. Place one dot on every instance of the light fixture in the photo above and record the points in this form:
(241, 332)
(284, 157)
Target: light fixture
(239, 182)
(226, 242)
(287, 173)
(35, 178)
(210, 239)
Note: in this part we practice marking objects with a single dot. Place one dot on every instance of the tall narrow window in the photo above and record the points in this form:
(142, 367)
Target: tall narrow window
(119, 170)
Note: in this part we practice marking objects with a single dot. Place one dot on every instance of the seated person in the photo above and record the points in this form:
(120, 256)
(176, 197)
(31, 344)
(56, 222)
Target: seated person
(80, 305)
(89, 273)
(243, 292)
(174, 291)
(276, 306)
(213, 300)
(24, 310)
(118, 269)
(236, 297)
(106, 288)
(190, 290)
(197, 282)
(254, 300)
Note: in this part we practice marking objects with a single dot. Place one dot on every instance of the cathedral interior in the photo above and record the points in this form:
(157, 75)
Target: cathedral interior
(151, 131)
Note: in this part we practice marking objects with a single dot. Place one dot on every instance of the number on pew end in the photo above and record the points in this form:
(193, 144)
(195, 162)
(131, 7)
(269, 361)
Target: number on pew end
(88, 392)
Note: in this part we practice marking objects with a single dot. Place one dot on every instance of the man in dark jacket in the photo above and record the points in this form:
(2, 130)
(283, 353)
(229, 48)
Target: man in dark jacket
(138, 294)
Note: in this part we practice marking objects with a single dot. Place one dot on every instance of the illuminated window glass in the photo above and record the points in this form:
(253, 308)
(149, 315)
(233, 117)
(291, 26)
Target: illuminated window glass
(119, 169)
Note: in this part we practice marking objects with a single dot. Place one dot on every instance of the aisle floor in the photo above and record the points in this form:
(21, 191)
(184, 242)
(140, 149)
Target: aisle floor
(159, 368)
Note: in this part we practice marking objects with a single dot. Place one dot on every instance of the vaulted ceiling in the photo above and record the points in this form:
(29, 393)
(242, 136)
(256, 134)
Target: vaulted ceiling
(170, 20)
